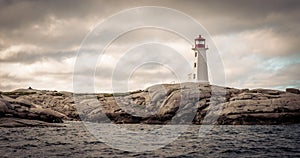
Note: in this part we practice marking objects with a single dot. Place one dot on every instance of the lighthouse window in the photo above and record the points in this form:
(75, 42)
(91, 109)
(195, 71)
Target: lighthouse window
(195, 64)
(200, 42)
(194, 76)
(195, 54)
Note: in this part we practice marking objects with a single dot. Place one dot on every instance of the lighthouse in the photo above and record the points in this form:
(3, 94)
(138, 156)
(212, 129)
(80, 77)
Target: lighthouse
(200, 73)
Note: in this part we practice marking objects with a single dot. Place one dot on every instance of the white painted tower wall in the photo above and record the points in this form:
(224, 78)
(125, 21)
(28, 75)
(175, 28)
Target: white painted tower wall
(200, 73)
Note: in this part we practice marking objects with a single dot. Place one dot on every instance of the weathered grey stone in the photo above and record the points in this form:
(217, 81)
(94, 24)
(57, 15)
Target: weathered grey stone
(17, 122)
(3, 107)
(293, 90)
(22, 108)
(160, 104)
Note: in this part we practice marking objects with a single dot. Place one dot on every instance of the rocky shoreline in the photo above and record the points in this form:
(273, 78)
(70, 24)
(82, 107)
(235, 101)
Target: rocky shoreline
(185, 103)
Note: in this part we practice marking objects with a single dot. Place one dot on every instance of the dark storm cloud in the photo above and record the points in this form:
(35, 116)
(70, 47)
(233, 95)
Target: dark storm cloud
(217, 16)
(21, 14)
(16, 14)
(236, 15)
(30, 57)
(59, 24)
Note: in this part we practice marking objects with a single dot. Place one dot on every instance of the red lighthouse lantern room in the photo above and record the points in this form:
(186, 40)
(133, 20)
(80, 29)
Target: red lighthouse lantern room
(199, 42)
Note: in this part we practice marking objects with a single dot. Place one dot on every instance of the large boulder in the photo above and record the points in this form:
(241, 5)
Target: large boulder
(3, 107)
(20, 108)
(261, 107)
(293, 90)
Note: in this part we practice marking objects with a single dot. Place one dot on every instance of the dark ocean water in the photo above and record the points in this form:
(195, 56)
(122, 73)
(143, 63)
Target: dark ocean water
(75, 140)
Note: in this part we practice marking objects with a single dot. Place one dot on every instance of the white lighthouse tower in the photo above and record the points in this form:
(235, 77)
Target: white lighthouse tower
(200, 73)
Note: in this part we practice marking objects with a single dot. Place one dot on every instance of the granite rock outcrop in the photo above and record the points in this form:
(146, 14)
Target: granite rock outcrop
(185, 103)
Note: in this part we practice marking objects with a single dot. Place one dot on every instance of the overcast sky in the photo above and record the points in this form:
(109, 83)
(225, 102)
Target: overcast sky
(258, 42)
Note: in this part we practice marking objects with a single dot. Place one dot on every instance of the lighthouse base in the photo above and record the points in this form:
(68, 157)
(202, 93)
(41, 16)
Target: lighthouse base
(201, 81)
